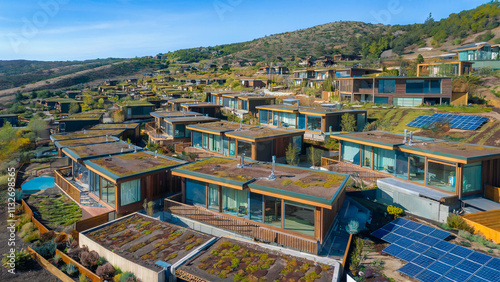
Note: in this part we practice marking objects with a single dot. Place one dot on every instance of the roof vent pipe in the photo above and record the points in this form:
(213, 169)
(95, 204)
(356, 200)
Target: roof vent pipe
(411, 138)
(106, 138)
(135, 149)
(242, 162)
(272, 176)
(156, 154)
(122, 150)
(406, 134)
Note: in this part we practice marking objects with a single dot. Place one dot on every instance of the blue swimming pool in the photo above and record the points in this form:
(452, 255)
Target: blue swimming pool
(37, 184)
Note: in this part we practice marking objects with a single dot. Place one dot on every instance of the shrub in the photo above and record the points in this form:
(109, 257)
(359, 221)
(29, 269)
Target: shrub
(71, 269)
(465, 243)
(352, 227)
(22, 260)
(106, 271)
(19, 210)
(83, 278)
(46, 249)
(74, 253)
(89, 259)
(117, 270)
(465, 234)
(35, 235)
(47, 236)
(23, 219)
(457, 222)
(27, 228)
(127, 277)
(397, 212)
(57, 258)
(101, 261)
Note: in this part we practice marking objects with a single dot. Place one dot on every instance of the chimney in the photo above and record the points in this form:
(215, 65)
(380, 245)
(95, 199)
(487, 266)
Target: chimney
(272, 176)
(411, 138)
(242, 162)
(406, 134)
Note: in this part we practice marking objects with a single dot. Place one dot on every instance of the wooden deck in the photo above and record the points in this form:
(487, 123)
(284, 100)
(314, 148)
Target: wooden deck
(487, 223)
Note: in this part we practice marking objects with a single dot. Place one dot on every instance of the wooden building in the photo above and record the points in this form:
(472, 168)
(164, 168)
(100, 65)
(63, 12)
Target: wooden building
(136, 109)
(203, 108)
(291, 206)
(444, 68)
(131, 131)
(79, 121)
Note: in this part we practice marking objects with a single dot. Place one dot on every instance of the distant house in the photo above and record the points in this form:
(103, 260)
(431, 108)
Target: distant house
(354, 72)
(79, 121)
(274, 70)
(72, 94)
(240, 103)
(301, 76)
(325, 61)
(307, 62)
(253, 83)
(132, 80)
(11, 118)
(63, 105)
(204, 108)
(480, 54)
(135, 109)
(445, 68)
(174, 105)
(344, 57)
(109, 82)
(131, 130)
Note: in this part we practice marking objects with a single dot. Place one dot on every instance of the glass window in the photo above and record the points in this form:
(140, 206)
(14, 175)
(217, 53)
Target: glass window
(225, 146)
(108, 191)
(407, 102)
(130, 192)
(367, 156)
(213, 197)
(195, 193)
(387, 86)
(402, 164)
(205, 141)
(313, 123)
(180, 130)
(170, 130)
(350, 152)
(417, 168)
(415, 86)
(197, 139)
(441, 176)
(384, 160)
(81, 173)
(302, 121)
(360, 121)
(472, 178)
(216, 146)
(297, 141)
(256, 202)
(232, 147)
(272, 211)
(264, 116)
(95, 186)
(435, 86)
(381, 100)
(299, 218)
(235, 202)
(245, 147)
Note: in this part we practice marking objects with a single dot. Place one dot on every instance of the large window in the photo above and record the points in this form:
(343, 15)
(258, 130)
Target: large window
(95, 185)
(108, 191)
(265, 117)
(472, 178)
(299, 218)
(423, 86)
(384, 160)
(81, 173)
(285, 120)
(256, 202)
(197, 139)
(351, 152)
(244, 147)
(302, 121)
(417, 168)
(130, 192)
(402, 164)
(387, 86)
(367, 156)
(297, 141)
(195, 193)
(407, 102)
(272, 213)
(213, 197)
(235, 202)
(441, 175)
(313, 123)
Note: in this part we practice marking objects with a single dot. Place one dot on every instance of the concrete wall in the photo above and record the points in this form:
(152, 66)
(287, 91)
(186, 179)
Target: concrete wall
(413, 203)
(141, 272)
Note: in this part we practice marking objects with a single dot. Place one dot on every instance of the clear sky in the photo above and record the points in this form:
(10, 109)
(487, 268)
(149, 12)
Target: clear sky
(89, 29)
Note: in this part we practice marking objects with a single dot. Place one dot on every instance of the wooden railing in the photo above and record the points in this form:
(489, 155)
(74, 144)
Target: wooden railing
(326, 161)
(363, 173)
(65, 185)
(82, 269)
(38, 224)
(50, 267)
(179, 147)
(150, 127)
(243, 226)
(91, 222)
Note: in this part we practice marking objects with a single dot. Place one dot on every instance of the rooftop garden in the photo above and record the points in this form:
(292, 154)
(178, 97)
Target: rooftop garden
(145, 240)
(241, 261)
(85, 141)
(87, 133)
(132, 103)
(56, 211)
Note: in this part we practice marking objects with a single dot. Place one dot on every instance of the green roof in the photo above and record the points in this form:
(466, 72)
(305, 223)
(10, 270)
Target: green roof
(95, 150)
(264, 132)
(134, 103)
(84, 116)
(115, 126)
(84, 141)
(86, 134)
(219, 126)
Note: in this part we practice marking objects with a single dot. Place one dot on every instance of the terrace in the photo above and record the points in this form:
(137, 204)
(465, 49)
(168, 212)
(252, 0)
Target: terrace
(86, 134)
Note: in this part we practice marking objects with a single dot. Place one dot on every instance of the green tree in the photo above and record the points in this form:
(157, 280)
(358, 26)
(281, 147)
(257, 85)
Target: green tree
(19, 96)
(87, 99)
(420, 58)
(292, 154)
(100, 103)
(74, 108)
(314, 155)
(115, 99)
(37, 125)
(348, 123)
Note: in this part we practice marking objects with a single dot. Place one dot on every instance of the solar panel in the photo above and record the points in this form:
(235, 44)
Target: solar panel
(445, 246)
(494, 263)
(407, 255)
(412, 225)
(393, 250)
(391, 238)
(428, 276)
(440, 234)
(444, 279)
(418, 247)
(400, 221)
(488, 273)
(434, 253)
(440, 267)
(461, 251)
(380, 233)
(451, 259)
(476, 279)
(404, 242)
(478, 257)
(457, 275)
(411, 269)
(429, 240)
(422, 261)
(469, 266)
(402, 231)
(455, 121)
(415, 236)
(425, 229)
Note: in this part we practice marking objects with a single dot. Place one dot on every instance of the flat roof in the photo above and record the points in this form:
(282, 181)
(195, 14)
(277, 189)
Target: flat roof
(174, 114)
(8, 115)
(115, 126)
(84, 141)
(134, 103)
(103, 149)
(263, 132)
(459, 152)
(487, 219)
(255, 261)
(126, 165)
(83, 116)
(219, 126)
(86, 134)
(192, 119)
(396, 77)
(181, 100)
(201, 105)
(313, 187)
(311, 110)
(145, 240)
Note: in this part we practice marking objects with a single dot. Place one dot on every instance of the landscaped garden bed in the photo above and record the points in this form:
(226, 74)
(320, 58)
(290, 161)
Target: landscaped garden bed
(55, 210)
(145, 240)
(232, 260)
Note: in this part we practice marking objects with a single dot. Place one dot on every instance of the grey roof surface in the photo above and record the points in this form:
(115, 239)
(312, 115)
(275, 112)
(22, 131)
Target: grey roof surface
(411, 188)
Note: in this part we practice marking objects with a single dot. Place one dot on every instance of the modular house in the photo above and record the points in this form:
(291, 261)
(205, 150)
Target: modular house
(287, 205)
(11, 118)
(132, 130)
(444, 68)
(136, 109)
(482, 54)
(204, 108)
(79, 121)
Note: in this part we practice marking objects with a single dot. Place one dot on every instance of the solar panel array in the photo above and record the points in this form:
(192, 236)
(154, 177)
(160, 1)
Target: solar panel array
(455, 121)
(430, 258)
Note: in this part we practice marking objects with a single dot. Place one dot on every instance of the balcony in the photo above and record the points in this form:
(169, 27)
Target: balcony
(75, 189)
(252, 229)
(155, 134)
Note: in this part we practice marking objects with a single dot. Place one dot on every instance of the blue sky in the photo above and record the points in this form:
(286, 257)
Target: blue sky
(89, 29)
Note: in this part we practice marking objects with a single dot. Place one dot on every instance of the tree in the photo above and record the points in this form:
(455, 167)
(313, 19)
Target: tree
(19, 96)
(37, 125)
(100, 103)
(314, 155)
(292, 154)
(348, 123)
(115, 99)
(74, 108)
(420, 58)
